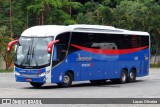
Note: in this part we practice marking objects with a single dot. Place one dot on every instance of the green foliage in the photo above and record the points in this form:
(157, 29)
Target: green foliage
(4, 40)
(155, 65)
(6, 71)
(141, 15)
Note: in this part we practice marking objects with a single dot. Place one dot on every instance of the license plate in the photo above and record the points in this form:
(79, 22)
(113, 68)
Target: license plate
(28, 79)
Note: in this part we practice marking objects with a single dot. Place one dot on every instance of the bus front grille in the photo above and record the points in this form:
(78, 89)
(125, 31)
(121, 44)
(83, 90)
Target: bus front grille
(30, 75)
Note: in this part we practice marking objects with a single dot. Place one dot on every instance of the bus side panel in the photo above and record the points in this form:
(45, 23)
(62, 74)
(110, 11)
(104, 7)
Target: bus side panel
(60, 69)
(85, 71)
(144, 66)
(100, 66)
(144, 69)
(96, 71)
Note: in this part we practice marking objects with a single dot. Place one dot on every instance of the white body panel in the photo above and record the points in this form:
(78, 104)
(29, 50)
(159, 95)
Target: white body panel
(48, 74)
(44, 31)
(54, 30)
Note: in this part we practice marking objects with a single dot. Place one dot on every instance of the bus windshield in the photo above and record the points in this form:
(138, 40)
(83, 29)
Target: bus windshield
(32, 52)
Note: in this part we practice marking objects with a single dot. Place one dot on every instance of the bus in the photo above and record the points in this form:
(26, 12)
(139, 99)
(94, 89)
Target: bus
(61, 54)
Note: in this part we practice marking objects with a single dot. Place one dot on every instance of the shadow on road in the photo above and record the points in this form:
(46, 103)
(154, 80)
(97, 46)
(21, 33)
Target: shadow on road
(75, 85)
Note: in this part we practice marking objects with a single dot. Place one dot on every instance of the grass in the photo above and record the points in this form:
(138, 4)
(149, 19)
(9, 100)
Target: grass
(155, 66)
(5, 71)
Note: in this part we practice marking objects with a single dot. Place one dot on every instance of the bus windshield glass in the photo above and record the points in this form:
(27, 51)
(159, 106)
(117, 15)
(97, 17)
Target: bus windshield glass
(32, 52)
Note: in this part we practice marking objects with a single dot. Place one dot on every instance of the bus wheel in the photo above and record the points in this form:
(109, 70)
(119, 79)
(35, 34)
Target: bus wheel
(123, 77)
(36, 85)
(132, 76)
(68, 78)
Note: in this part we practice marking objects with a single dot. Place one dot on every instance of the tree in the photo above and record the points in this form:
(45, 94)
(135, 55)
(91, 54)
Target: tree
(140, 15)
(44, 11)
(4, 40)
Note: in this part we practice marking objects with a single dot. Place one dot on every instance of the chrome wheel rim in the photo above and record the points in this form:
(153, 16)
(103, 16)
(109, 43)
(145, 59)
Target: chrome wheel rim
(123, 77)
(66, 79)
(131, 75)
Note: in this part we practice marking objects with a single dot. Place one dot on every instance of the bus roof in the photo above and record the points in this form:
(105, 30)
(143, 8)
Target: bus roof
(45, 30)
(104, 29)
(54, 30)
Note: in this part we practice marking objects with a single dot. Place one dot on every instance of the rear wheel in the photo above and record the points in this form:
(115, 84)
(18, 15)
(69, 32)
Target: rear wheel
(36, 85)
(132, 75)
(68, 78)
(123, 77)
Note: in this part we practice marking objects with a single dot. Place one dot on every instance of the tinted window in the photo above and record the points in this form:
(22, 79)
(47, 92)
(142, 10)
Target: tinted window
(60, 48)
(108, 41)
(97, 41)
(63, 40)
(144, 40)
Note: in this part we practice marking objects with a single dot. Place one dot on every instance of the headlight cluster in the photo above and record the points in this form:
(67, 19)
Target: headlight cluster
(42, 74)
(17, 73)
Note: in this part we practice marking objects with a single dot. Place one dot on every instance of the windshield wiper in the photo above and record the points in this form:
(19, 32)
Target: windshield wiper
(33, 56)
(26, 57)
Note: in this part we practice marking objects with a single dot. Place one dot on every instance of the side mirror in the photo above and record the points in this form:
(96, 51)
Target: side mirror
(11, 44)
(50, 45)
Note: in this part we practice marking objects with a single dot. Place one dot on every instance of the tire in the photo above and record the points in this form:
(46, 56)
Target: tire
(68, 78)
(96, 82)
(36, 85)
(132, 76)
(123, 77)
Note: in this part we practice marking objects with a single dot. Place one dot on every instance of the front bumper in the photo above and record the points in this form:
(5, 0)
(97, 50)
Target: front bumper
(29, 79)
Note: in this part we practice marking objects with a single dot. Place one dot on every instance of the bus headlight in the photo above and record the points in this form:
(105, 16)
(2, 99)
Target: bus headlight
(42, 74)
(17, 73)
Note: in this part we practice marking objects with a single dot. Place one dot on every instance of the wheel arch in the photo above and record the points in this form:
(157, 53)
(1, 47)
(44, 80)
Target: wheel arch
(135, 70)
(70, 71)
(126, 69)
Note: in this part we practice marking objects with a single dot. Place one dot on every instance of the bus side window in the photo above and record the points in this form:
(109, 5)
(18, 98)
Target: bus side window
(55, 53)
(59, 52)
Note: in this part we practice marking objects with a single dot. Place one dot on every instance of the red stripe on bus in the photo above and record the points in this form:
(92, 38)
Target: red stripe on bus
(109, 51)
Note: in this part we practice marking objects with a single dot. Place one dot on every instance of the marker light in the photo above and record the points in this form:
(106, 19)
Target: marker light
(42, 74)
(17, 73)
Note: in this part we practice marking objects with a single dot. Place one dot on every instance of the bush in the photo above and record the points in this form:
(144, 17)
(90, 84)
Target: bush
(5, 71)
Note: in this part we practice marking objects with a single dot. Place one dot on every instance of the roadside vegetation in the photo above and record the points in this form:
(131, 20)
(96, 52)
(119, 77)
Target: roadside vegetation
(6, 71)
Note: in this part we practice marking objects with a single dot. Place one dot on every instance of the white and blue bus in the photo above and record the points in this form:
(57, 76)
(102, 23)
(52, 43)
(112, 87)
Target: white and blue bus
(62, 54)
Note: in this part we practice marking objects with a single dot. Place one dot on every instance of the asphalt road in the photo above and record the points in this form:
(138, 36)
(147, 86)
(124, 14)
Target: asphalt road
(148, 86)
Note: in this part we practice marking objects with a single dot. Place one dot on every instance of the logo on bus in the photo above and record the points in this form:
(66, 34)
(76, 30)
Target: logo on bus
(83, 58)
(87, 65)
